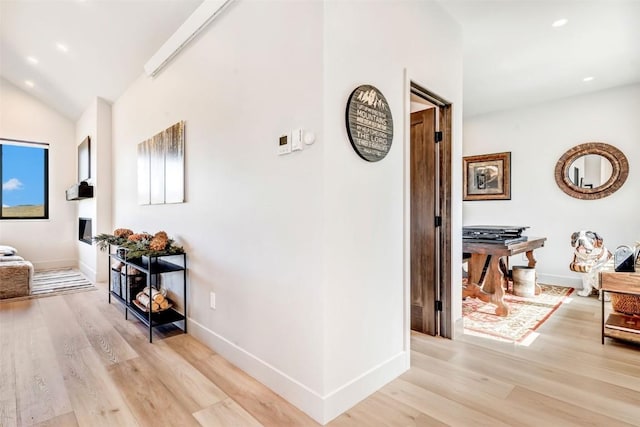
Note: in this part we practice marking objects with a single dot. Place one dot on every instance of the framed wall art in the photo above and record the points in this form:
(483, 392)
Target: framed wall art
(161, 167)
(487, 177)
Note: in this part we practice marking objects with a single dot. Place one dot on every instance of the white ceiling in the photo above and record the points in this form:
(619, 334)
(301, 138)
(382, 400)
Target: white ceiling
(512, 55)
(108, 41)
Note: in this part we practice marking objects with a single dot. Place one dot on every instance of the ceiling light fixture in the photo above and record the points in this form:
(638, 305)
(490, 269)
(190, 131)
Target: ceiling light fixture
(62, 48)
(29, 83)
(559, 23)
(32, 60)
(588, 79)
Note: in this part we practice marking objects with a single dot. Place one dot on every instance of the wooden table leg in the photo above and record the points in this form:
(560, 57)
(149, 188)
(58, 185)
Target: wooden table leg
(500, 284)
(532, 263)
(492, 290)
(474, 267)
(532, 260)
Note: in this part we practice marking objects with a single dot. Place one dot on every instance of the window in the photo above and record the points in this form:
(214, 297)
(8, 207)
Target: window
(24, 169)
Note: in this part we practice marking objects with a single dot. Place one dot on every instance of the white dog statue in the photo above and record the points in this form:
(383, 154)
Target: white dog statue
(590, 256)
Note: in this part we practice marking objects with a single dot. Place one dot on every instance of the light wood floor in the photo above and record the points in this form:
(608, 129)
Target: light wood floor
(73, 360)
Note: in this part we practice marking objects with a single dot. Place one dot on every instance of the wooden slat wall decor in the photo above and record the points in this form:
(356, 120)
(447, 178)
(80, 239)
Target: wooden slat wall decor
(161, 167)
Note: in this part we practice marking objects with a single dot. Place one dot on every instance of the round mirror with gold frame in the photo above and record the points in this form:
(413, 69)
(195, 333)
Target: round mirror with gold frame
(592, 171)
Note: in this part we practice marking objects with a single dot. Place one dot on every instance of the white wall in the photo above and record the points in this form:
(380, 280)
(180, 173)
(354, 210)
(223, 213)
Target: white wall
(46, 243)
(305, 252)
(252, 222)
(86, 208)
(537, 137)
(95, 122)
(103, 190)
(365, 204)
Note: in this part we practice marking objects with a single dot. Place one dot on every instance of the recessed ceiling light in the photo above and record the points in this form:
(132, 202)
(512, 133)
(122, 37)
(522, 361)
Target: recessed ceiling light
(560, 22)
(32, 60)
(29, 83)
(61, 47)
(588, 79)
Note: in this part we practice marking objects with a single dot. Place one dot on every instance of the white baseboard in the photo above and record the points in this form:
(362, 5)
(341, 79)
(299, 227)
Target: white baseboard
(458, 329)
(321, 408)
(89, 272)
(48, 265)
(568, 282)
(358, 389)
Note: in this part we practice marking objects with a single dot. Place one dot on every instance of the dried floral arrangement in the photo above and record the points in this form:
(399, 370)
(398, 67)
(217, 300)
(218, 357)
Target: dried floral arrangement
(139, 244)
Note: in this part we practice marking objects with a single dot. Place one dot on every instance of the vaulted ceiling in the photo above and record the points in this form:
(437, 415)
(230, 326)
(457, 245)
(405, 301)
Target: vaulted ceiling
(512, 54)
(85, 48)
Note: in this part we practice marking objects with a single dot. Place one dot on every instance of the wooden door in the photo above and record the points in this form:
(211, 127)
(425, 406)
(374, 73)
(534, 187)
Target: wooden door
(424, 246)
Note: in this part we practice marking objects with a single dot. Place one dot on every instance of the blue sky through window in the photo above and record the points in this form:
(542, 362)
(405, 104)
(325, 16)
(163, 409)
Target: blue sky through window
(22, 175)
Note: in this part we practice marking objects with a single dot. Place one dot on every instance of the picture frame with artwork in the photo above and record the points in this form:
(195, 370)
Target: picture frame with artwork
(487, 177)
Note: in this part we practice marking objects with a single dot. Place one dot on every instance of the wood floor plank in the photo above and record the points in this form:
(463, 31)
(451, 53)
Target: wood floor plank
(40, 390)
(111, 376)
(560, 412)
(440, 352)
(65, 420)
(105, 340)
(5, 313)
(24, 315)
(8, 392)
(95, 398)
(190, 348)
(152, 403)
(611, 352)
(263, 404)
(67, 335)
(460, 378)
(226, 413)
(382, 410)
(474, 396)
(197, 391)
(442, 409)
(590, 365)
(570, 387)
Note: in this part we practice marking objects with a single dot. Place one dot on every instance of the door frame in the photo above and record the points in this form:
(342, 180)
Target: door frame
(444, 123)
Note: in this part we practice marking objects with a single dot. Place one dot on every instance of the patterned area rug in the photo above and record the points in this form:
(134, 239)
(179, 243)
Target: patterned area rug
(49, 282)
(527, 314)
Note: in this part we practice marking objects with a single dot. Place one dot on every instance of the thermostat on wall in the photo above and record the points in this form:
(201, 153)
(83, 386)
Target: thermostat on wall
(284, 145)
(296, 139)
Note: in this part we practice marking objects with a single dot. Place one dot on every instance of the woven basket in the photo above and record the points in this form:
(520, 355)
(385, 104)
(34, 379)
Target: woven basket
(628, 304)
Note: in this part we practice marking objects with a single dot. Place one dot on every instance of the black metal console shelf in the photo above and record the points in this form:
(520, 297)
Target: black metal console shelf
(126, 286)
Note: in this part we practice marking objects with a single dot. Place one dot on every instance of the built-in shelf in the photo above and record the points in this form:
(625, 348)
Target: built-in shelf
(79, 191)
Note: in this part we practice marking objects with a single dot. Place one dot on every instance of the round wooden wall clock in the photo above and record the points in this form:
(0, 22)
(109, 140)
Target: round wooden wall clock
(369, 123)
